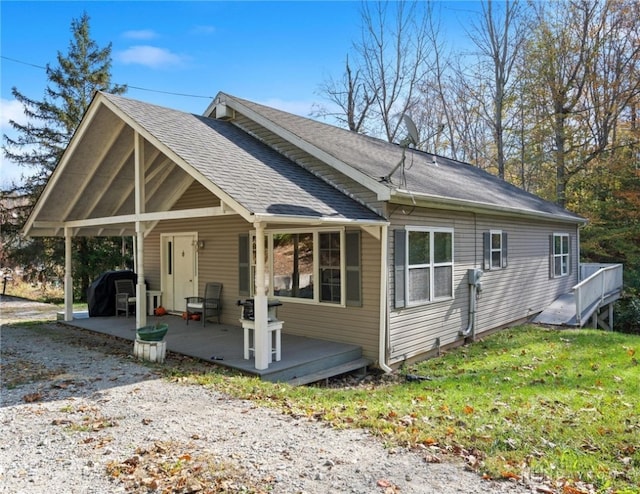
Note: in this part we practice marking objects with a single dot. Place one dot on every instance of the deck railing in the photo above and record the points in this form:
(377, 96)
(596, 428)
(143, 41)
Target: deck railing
(599, 282)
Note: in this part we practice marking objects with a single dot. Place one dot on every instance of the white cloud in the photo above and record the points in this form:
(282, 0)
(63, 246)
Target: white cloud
(203, 30)
(150, 56)
(140, 34)
(11, 109)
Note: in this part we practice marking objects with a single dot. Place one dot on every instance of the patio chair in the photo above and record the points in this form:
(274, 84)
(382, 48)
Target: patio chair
(125, 296)
(207, 306)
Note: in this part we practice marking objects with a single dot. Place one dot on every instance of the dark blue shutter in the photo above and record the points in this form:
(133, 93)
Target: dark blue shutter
(244, 266)
(552, 268)
(486, 249)
(353, 268)
(399, 265)
(504, 249)
(570, 258)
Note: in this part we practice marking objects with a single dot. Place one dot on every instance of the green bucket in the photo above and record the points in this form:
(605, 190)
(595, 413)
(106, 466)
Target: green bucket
(152, 333)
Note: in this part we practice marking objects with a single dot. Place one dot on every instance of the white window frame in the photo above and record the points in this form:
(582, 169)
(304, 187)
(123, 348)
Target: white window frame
(432, 265)
(564, 266)
(492, 249)
(316, 265)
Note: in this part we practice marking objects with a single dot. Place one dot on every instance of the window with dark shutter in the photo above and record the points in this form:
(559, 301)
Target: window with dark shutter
(399, 261)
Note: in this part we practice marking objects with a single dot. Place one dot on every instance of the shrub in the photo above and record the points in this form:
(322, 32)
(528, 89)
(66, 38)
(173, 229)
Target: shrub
(627, 319)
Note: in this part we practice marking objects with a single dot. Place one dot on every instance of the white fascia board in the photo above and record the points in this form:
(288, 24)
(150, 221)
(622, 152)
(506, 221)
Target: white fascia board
(314, 220)
(381, 191)
(132, 218)
(405, 197)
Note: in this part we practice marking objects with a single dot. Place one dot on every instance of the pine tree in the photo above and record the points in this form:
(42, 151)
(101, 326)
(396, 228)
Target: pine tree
(72, 83)
(40, 143)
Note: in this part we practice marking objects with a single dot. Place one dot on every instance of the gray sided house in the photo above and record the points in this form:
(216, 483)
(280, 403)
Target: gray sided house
(364, 242)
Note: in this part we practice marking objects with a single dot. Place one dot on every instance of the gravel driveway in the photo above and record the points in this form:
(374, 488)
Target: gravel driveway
(79, 415)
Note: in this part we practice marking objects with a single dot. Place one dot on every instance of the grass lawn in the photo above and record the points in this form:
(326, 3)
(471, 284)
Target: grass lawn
(558, 405)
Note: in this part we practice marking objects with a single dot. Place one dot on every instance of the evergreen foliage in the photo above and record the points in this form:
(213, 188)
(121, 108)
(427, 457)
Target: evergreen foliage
(39, 146)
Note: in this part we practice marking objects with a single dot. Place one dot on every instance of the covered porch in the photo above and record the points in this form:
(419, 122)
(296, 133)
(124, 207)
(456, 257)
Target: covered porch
(304, 360)
(179, 185)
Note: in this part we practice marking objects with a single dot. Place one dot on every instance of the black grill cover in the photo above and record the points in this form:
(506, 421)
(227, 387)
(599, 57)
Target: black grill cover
(101, 294)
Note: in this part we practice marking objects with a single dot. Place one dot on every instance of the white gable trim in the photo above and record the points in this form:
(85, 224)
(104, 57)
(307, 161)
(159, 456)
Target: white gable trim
(57, 173)
(167, 151)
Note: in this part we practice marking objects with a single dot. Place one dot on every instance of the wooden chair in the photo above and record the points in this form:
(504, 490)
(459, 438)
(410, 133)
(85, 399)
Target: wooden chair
(125, 296)
(207, 306)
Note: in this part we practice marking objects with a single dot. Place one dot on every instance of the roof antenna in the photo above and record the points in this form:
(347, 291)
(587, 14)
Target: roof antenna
(410, 139)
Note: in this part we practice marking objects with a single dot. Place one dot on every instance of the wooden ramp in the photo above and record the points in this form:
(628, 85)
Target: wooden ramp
(561, 312)
(591, 299)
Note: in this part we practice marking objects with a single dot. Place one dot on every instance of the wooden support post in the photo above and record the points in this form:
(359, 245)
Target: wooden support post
(261, 336)
(610, 310)
(140, 201)
(68, 275)
(605, 318)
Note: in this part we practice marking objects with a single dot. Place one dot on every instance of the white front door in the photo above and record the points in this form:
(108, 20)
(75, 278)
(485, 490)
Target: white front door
(179, 272)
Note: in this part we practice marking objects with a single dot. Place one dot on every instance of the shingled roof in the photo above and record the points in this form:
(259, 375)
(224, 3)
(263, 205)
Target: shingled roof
(256, 176)
(95, 177)
(424, 175)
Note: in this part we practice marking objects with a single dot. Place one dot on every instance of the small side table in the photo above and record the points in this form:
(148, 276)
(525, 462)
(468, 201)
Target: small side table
(154, 300)
(274, 329)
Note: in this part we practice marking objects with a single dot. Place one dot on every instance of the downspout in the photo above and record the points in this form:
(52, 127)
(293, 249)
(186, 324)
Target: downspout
(471, 327)
(470, 331)
(384, 299)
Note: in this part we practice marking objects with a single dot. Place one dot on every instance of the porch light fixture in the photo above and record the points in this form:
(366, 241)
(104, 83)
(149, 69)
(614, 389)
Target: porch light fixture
(200, 244)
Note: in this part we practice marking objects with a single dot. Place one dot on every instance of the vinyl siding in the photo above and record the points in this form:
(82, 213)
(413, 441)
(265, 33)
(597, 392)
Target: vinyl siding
(510, 294)
(355, 325)
(218, 261)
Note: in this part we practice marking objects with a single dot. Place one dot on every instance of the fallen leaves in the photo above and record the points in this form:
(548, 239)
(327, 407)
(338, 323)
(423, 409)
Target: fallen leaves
(388, 486)
(181, 469)
(510, 475)
(32, 397)
(91, 421)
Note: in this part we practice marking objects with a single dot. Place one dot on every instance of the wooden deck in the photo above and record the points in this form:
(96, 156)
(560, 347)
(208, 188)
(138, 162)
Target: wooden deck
(304, 360)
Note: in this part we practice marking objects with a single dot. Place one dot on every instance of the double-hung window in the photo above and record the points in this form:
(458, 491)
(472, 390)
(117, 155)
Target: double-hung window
(560, 254)
(424, 271)
(321, 266)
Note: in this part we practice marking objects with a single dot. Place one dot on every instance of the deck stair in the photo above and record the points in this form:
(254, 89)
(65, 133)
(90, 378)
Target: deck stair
(360, 364)
(591, 299)
(311, 370)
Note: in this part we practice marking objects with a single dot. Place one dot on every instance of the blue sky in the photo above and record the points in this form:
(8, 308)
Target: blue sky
(276, 53)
